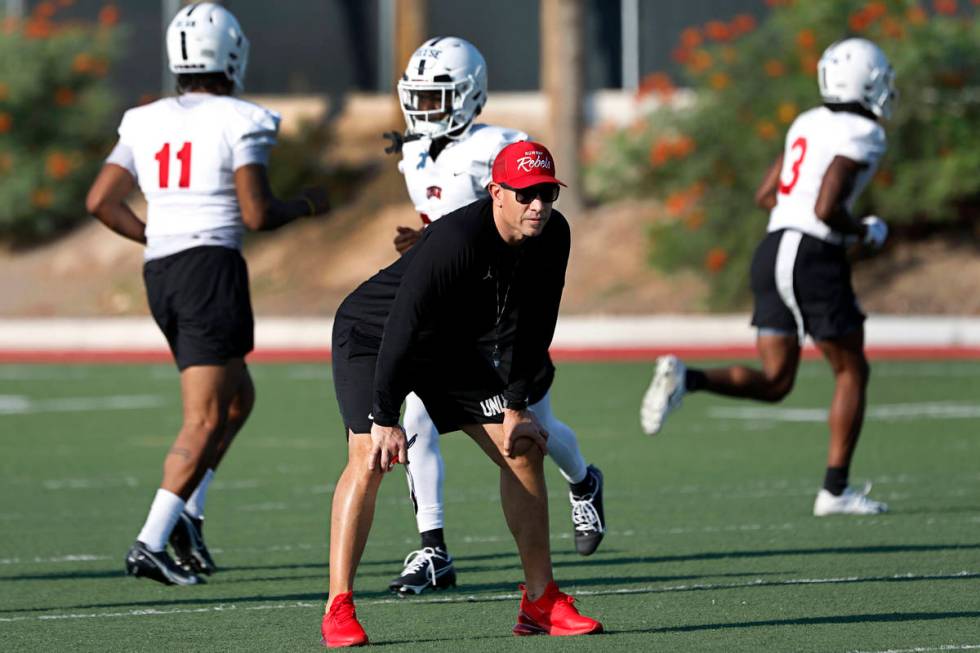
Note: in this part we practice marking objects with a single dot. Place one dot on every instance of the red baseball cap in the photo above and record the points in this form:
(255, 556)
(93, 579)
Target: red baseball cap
(523, 164)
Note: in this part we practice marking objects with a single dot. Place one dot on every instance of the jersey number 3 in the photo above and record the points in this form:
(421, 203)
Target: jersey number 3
(798, 144)
(163, 158)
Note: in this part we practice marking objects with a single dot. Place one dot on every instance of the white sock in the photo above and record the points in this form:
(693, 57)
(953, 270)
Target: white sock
(195, 505)
(424, 464)
(164, 512)
(562, 442)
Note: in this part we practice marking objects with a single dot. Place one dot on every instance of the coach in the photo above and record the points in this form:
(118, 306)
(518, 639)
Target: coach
(464, 319)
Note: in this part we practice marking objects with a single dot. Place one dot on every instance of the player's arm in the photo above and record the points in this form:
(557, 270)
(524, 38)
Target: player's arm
(262, 210)
(836, 187)
(106, 200)
(765, 196)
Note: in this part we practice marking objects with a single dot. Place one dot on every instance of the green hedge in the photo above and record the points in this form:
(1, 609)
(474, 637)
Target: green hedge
(55, 103)
(705, 158)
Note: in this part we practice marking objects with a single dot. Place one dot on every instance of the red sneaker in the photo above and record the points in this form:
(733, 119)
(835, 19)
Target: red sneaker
(340, 626)
(552, 614)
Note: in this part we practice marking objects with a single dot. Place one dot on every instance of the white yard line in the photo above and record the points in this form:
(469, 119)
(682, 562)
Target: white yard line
(926, 649)
(23, 405)
(880, 412)
(759, 582)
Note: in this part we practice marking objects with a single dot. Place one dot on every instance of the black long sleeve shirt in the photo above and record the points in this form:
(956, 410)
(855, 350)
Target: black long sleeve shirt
(461, 296)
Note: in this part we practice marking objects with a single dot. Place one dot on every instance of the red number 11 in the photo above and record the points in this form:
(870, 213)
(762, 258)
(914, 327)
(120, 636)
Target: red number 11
(163, 158)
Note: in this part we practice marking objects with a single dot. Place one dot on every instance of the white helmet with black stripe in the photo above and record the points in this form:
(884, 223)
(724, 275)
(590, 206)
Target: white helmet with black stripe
(444, 88)
(856, 70)
(206, 38)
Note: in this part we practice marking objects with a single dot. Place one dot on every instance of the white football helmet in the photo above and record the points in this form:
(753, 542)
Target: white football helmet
(856, 70)
(206, 38)
(455, 70)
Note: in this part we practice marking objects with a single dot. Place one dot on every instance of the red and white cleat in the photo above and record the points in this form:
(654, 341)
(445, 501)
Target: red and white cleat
(340, 626)
(554, 613)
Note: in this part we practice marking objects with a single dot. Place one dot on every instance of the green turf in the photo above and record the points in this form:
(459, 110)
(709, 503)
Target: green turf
(711, 546)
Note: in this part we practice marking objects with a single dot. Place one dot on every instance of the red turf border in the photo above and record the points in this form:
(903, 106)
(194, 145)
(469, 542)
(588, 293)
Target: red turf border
(559, 353)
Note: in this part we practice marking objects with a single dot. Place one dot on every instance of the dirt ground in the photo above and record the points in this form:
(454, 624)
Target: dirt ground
(307, 268)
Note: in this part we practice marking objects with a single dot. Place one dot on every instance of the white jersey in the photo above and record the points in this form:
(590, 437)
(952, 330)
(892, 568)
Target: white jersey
(183, 152)
(460, 174)
(813, 140)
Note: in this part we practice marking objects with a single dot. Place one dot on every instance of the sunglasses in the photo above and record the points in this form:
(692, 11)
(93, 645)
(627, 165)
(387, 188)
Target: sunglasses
(547, 192)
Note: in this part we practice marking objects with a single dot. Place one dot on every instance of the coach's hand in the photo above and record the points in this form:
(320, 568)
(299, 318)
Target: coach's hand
(388, 447)
(406, 237)
(520, 424)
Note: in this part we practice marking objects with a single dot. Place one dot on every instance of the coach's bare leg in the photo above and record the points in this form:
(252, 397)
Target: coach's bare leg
(780, 358)
(524, 498)
(351, 514)
(206, 391)
(851, 374)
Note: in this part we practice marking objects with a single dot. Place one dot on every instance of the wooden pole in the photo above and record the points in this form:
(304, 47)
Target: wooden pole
(563, 82)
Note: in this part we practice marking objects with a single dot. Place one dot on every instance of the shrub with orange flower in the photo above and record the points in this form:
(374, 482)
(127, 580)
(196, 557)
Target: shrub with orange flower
(109, 15)
(4, 91)
(742, 24)
(715, 260)
(719, 81)
(946, 7)
(82, 63)
(42, 198)
(6, 122)
(892, 28)
(875, 10)
(786, 112)
(765, 129)
(659, 83)
(6, 161)
(691, 38)
(700, 61)
(806, 39)
(694, 220)
(916, 15)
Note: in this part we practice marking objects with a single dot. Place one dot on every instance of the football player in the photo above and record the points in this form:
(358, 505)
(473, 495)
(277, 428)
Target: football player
(800, 276)
(446, 161)
(200, 160)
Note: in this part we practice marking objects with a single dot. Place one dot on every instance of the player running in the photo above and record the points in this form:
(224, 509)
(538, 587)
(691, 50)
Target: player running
(446, 161)
(801, 279)
(200, 160)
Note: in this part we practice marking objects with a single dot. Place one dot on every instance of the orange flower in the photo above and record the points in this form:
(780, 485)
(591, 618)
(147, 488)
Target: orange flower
(44, 9)
(765, 129)
(681, 55)
(859, 21)
(728, 54)
(700, 61)
(659, 83)
(875, 10)
(892, 28)
(786, 112)
(677, 203)
(99, 67)
(916, 15)
(660, 153)
(10, 24)
(806, 39)
(715, 260)
(42, 198)
(108, 15)
(4, 91)
(717, 31)
(742, 24)
(884, 178)
(58, 165)
(82, 63)
(775, 68)
(719, 81)
(6, 161)
(694, 220)
(682, 146)
(947, 7)
(64, 97)
(37, 29)
(691, 38)
(6, 122)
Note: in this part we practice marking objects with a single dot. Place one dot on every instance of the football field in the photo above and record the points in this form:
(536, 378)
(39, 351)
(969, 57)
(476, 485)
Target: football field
(711, 545)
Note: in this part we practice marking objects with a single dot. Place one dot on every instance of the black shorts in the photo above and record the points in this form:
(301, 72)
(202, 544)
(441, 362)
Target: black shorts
(470, 392)
(802, 284)
(199, 299)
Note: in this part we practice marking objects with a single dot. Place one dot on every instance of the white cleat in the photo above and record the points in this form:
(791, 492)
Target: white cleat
(850, 502)
(664, 394)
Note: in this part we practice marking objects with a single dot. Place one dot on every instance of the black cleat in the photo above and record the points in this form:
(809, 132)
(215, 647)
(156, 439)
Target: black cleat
(588, 516)
(425, 569)
(158, 566)
(190, 552)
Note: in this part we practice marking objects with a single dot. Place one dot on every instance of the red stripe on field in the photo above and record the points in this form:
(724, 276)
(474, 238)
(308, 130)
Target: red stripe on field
(312, 355)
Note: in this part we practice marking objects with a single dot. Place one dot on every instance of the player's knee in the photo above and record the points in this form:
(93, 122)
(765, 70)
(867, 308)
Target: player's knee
(526, 461)
(203, 424)
(779, 388)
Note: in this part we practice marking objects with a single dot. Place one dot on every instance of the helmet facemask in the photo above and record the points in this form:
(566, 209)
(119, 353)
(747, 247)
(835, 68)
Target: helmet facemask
(438, 108)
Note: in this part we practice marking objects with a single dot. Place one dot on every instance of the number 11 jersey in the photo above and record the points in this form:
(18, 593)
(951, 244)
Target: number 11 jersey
(183, 152)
